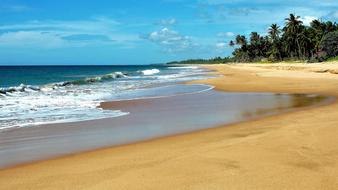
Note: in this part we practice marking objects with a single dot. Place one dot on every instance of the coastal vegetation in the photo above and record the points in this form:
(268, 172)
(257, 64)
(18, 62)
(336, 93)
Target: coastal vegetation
(215, 60)
(293, 42)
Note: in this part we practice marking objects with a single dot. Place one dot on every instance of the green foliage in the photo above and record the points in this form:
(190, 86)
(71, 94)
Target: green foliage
(333, 59)
(217, 60)
(293, 42)
(329, 44)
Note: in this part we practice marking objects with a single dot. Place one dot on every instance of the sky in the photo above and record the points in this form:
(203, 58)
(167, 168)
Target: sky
(131, 32)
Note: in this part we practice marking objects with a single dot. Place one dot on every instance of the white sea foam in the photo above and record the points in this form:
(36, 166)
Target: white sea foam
(150, 71)
(59, 105)
(27, 105)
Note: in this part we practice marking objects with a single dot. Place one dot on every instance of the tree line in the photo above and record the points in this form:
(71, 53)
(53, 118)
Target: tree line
(216, 60)
(294, 41)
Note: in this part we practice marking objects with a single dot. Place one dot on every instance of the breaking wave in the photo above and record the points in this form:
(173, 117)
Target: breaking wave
(20, 88)
(150, 71)
(30, 88)
(78, 100)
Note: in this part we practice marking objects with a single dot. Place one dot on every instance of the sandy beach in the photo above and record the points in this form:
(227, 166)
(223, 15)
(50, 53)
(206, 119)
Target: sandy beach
(296, 150)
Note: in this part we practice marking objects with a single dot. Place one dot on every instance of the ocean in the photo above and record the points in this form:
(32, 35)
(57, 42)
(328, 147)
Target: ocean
(52, 111)
(35, 95)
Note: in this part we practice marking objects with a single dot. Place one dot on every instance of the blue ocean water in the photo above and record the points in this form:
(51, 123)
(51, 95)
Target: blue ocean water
(33, 95)
(39, 75)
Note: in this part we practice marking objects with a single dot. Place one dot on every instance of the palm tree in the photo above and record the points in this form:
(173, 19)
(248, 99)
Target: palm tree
(329, 27)
(292, 30)
(294, 41)
(274, 32)
(256, 42)
(241, 40)
(316, 32)
(274, 35)
(293, 23)
(241, 53)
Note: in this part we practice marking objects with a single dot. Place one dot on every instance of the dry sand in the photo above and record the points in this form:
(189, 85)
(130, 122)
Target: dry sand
(296, 150)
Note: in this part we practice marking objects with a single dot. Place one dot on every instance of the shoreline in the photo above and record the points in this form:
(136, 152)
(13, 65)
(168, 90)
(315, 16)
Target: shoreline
(221, 83)
(137, 106)
(13, 159)
(329, 100)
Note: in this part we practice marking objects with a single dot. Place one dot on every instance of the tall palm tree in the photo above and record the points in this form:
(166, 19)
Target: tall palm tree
(241, 53)
(275, 49)
(255, 49)
(274, 32)
(316, 33)
(294, 41)
(292, 30)
(293, 23)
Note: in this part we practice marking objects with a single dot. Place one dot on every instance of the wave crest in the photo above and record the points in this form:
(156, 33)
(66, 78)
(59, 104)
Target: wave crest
(88, 80)
(150, 71)
(30, 88)
(20, 88)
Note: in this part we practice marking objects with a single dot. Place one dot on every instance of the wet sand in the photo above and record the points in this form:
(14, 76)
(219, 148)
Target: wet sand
(295, 150)
(149, 118)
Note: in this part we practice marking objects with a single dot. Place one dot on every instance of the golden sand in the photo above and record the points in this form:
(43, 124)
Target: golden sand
(296, 150)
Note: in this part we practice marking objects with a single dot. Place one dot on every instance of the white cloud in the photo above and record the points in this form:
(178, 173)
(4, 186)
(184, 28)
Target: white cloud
(308, 19)
(171, 40)
(97, 25)
(31, 39)
(225, 35)
(56, 33)
(221, 46)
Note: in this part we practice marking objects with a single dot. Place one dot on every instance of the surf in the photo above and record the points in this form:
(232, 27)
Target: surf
(150, 71)
(29, 104)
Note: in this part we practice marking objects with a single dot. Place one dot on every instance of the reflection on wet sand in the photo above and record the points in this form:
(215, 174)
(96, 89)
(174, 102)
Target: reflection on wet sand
(296, 101)
(302, 100)
(148, 119)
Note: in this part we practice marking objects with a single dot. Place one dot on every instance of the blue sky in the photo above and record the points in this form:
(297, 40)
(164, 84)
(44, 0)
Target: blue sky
(137, 32)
